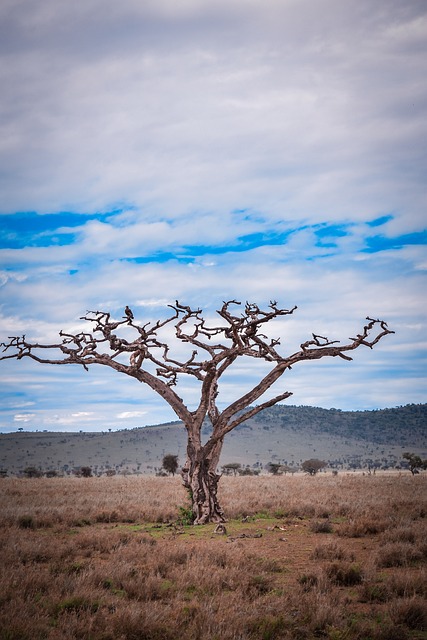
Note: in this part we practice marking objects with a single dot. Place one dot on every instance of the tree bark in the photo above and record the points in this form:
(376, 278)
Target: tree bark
(200, 477)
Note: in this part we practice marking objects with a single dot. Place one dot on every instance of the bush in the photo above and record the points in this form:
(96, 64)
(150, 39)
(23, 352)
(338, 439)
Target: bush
(363, 526)
(343, 574)
(26, 522)
(32, 472)
(76, 603)
(308, 581)
(411, 612)
(397, 554)
(374, 592)
(331, 551)
(322, 526)
(266, 627)
(186, 514)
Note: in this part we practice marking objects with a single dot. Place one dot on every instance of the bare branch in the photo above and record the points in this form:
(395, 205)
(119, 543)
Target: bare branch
(207, 361)
(254, 410)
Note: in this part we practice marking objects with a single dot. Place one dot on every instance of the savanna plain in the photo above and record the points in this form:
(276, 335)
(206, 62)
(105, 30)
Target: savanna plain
(340, 557)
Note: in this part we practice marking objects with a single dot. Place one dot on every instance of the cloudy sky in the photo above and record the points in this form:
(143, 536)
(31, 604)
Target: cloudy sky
(209, 150)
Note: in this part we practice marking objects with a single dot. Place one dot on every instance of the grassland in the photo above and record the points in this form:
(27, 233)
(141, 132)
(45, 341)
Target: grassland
(338, 557)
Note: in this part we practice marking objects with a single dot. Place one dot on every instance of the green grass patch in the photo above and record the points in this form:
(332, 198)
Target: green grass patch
(75, 604)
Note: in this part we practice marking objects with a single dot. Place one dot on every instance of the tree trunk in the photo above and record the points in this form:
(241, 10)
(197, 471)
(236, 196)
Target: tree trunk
(201, 479)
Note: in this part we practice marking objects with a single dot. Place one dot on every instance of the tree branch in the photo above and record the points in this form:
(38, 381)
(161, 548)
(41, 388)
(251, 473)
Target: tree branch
(239, 335)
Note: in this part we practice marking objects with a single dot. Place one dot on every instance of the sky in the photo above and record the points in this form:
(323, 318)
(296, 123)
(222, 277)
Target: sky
(154, 150)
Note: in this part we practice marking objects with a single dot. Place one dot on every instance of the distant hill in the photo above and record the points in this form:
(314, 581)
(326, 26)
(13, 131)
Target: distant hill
(284, 434)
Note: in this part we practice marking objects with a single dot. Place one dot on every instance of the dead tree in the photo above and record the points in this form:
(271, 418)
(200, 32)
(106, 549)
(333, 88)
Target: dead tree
(141, 352)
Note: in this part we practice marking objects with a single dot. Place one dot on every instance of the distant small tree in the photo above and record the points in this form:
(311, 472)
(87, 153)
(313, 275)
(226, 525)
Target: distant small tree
(32, 472)
(274, 468)
(313, 465)
(170, 463)
(83, 472)
(415, 462)
(231, 467)
(247, 471)
(285, 468)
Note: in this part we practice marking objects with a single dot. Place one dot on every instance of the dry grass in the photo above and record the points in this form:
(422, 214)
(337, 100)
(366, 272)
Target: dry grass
(101, 559)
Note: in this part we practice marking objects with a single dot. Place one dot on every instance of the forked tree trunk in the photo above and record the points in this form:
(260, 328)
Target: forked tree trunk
(201, 479)
(203, 484)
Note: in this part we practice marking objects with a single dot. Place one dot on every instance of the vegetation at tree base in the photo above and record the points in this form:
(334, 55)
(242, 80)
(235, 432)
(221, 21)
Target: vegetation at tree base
(170, 463)
(313, 466)
(415, 462)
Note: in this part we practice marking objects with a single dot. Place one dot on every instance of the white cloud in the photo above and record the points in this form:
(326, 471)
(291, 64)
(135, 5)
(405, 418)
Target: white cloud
(24, 417)
(124, 415)
(278, 106)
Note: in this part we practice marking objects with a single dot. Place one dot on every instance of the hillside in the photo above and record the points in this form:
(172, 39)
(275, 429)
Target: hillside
(285, 434)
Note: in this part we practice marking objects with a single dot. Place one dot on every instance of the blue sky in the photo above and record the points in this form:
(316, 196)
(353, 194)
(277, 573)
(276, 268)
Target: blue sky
(206, 151)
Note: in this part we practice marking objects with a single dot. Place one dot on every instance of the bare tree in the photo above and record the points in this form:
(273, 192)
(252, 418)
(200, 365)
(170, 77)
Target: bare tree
(140, 351)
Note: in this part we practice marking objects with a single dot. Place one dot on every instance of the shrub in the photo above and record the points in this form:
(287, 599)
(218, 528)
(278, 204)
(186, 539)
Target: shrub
(343, 574)
(259, 585)
(322, 526)
(411, 612)
(76, 603)
(330, 551)
(387, 630)
(26, 522)
(266, 627)
(105, 516)
(397, 554)
(374, 592)
(406, 583)
(186, 514)
(363, 526)
(32, 472)
(401, 534)
(86, 472)
(308, 581)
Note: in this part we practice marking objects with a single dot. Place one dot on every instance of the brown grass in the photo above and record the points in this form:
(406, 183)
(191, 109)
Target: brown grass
(104, 559)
